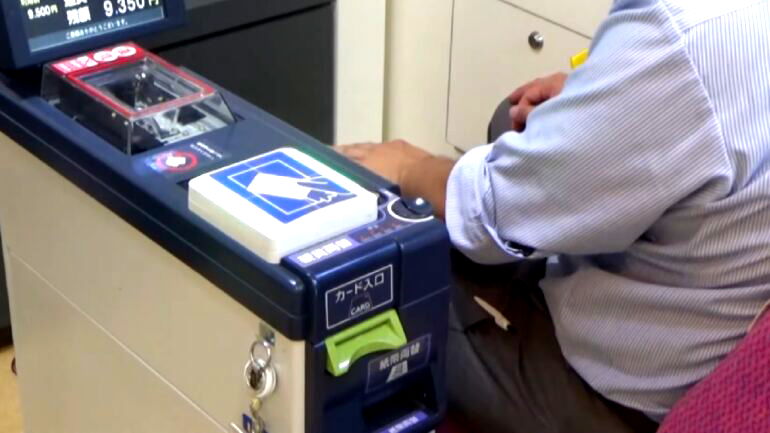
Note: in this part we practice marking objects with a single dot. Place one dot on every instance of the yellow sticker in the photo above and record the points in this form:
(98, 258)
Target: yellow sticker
(577, 60)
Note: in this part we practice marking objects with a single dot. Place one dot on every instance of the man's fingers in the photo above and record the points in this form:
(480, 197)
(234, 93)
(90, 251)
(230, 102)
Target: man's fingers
(350, 152)
(517, 94)
(519, 115)
(344, 146)
(517, 125)
(535, 96)
(526, 98)
(530, 99)
(524, 113)
(355, 151)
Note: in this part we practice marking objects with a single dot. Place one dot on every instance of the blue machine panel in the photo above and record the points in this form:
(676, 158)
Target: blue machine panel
(360, 296)
(398, 363)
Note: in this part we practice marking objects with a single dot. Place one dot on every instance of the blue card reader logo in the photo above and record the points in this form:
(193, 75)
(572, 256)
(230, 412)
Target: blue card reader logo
(282, 186)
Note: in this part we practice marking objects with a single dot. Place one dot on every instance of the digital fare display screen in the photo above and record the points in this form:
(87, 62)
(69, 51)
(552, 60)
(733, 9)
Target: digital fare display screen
(50, 23)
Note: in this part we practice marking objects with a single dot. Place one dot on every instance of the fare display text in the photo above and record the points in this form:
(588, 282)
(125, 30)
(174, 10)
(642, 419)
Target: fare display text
(49, 23)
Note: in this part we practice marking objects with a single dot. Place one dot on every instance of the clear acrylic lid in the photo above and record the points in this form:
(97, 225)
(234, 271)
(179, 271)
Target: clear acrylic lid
(133, 99)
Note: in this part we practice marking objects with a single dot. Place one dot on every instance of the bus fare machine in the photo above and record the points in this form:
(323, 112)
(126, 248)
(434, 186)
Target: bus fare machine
(179, 260)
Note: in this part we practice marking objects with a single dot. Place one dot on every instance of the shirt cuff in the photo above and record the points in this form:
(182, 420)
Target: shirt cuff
(471, 228)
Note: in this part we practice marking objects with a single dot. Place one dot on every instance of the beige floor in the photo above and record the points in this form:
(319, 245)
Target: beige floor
(10, 418)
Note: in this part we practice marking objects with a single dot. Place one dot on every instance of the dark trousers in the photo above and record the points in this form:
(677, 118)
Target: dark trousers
(517, 380)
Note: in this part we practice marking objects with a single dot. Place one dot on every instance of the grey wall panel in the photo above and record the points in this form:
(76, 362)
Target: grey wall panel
(206, 17)
(284, 65)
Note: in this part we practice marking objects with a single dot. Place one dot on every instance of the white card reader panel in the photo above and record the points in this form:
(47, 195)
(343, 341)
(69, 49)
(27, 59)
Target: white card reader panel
(280, 202)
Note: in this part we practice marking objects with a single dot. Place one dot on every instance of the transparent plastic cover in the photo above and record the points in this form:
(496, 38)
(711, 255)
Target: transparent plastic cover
(137, 104)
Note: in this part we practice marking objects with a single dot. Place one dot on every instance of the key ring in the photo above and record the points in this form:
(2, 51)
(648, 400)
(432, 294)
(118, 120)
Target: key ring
(256, 365)
(267, 347)
(258, 373)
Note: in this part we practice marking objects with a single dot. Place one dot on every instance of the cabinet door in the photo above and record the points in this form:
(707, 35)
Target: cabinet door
(491, 56)
(582, 16)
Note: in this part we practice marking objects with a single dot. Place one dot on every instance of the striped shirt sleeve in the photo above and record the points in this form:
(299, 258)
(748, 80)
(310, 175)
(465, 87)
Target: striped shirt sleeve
(631, 136)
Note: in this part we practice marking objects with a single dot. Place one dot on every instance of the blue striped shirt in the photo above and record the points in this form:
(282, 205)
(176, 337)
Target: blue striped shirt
(647, 185)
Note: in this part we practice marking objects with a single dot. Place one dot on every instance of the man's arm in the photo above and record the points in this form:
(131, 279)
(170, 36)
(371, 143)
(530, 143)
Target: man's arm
(422, 175)
(632, 134)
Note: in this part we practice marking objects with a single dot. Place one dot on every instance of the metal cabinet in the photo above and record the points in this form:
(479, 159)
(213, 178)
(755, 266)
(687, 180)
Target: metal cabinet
(580, 16)
(443, 84)
(496, 47)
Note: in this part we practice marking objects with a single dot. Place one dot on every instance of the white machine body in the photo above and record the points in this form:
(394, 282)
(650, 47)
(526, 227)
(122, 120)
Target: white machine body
(82, 311)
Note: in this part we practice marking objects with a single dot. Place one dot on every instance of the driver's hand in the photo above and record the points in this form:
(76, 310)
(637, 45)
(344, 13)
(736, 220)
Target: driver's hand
(391, 160)
(527, 97)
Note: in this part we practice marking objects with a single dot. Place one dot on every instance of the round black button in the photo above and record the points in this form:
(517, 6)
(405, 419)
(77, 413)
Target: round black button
(412, 208)
(419, 206)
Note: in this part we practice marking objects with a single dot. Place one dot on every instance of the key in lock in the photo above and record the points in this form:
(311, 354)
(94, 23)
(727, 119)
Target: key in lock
(262, 378)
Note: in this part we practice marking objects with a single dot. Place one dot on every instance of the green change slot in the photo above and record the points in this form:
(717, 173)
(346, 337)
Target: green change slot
(380, 333)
